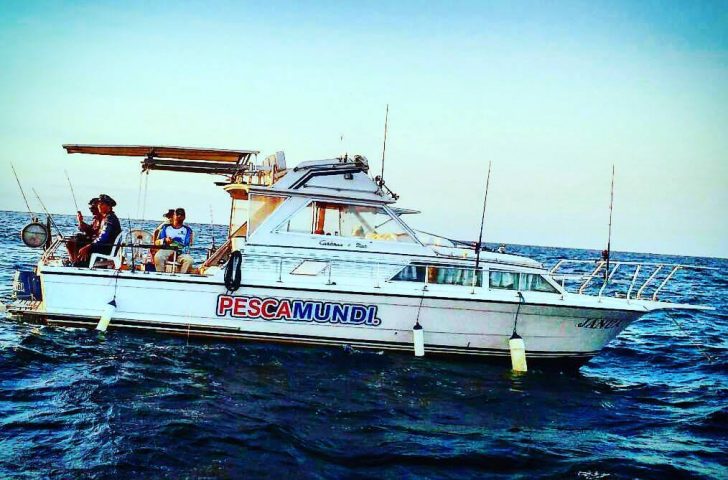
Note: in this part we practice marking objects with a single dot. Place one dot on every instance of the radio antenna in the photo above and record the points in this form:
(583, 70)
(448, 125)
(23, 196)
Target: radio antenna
(73, 194)
(609, 235)
(32, 216)
(384, 146)
(478, 245)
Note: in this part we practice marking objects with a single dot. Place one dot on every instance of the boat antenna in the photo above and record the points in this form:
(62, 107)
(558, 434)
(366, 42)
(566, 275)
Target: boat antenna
(32, 215)
(609, 235)
(478, 245)
(48, 213)
(384, 145)
(379, 179)
(73, 194)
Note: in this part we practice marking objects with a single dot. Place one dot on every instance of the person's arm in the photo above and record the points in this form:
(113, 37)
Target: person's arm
(110, 228)
(187, 240)
(162, 238)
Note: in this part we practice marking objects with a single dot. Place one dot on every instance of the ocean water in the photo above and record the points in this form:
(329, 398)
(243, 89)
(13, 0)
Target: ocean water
(651, 405)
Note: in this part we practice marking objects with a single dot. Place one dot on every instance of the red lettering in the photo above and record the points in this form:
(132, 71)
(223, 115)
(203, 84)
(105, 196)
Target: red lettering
(284, 310)
(239, 307)
(224, 304)
(254, 307)
(266, 311)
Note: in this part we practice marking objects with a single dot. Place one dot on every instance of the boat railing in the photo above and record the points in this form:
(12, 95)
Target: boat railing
(642, 277)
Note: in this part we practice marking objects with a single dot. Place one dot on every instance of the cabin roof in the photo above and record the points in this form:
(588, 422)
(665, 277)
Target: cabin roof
(344, 177)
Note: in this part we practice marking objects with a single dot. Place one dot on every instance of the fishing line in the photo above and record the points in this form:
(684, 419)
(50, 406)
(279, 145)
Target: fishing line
(47, 213)
(32, 216)
(687, 335)
(73, 194)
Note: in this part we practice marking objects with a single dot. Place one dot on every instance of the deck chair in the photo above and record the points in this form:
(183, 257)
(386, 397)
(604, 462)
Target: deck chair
(113, 258)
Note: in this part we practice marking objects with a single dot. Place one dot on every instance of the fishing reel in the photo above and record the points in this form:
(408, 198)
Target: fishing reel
(380, 183)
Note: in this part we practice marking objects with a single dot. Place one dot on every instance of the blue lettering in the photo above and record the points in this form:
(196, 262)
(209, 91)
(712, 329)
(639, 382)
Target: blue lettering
(302, 311)
(340, 313)
(322, 312)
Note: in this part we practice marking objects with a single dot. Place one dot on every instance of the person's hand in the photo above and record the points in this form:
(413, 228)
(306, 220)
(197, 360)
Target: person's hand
(168, 240)
(83, 252)
(79, 217)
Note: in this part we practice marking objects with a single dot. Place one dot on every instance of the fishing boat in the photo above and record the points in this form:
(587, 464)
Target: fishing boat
(319, 254)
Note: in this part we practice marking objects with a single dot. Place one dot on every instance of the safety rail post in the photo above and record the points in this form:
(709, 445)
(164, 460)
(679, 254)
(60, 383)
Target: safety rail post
(648, 281)
(669, 276)
(634, 279)
(609, 277)
(556, 267)
(593, 274)
(331, 264)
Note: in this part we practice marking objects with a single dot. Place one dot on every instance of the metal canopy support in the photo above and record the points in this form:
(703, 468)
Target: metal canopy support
(179, 159)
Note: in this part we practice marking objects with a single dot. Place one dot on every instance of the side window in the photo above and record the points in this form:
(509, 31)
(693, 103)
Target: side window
(504, 280)
(537, 283)
(411, 273)
(520, 281)
(261, 206)
(352, 221)
(300, 222)
(439, 275)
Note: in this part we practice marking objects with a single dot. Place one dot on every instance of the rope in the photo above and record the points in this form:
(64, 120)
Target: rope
(687, 335)
(139, 194)
(521, 300)
(422, 299)
(146, 184)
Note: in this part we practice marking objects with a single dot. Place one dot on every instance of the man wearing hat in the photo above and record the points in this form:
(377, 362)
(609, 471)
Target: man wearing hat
(88, 232)
(155, 235)
(109, 230)
(178, 236)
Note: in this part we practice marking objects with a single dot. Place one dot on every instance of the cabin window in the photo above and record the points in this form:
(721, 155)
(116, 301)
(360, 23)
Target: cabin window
(261, 206)
(439, 275)
(520, 281)
(351, 221)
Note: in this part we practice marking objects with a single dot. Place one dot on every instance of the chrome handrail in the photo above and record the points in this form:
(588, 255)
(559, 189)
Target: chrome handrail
(656, 269)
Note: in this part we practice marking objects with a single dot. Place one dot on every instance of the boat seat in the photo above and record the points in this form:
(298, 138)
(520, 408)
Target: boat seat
(171, 266)
(112, 259)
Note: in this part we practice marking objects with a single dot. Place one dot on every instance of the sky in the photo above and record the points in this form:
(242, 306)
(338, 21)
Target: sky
(552, 93)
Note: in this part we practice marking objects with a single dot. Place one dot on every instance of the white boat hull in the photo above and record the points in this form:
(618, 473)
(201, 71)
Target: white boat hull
(200, 306)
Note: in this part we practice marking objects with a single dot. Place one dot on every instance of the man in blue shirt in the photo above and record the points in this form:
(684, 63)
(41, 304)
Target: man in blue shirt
(178, 236)
(109, 230)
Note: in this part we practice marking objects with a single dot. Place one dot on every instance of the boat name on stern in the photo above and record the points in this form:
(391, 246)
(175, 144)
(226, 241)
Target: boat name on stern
(297, 310)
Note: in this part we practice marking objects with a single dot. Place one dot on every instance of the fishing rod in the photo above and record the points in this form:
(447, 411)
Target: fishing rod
(32, 215)
(609, 235)
(48, 213)
(212, 228)
(73, 194)
(482, 220)
(131, 240)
